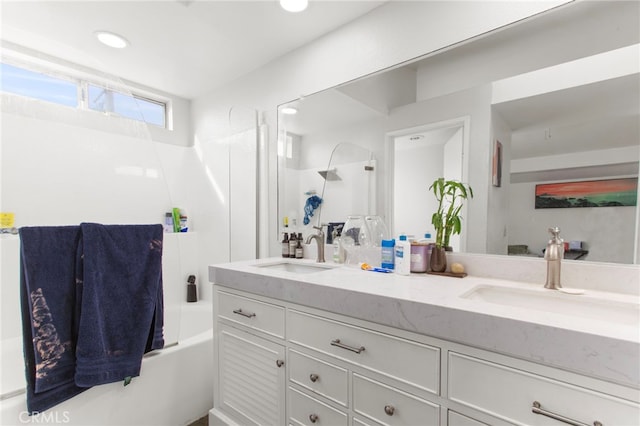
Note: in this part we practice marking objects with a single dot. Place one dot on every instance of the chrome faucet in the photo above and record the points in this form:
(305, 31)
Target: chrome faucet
(319, 237)
(554, 254)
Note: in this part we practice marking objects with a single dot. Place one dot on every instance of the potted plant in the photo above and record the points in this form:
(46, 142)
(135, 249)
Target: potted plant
(446, 220)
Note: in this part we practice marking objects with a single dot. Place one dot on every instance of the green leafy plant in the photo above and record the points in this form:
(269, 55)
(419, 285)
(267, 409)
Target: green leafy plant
(447, 220)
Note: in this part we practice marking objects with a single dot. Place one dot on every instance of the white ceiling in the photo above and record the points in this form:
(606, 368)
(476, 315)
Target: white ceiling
(183, 47)
(588, 117)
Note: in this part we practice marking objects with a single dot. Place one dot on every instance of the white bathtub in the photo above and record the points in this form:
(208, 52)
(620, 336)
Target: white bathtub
(174, 388)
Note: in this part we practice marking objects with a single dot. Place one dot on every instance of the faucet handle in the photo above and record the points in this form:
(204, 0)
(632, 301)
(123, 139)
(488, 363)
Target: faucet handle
(322, 225)
(555, 232)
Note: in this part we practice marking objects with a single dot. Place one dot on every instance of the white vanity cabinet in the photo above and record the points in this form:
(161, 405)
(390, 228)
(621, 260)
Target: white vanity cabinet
(250, 358)
(327, 369)
(280, 363)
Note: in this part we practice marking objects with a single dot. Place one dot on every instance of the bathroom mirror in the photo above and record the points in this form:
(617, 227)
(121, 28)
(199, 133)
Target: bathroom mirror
(580, 128)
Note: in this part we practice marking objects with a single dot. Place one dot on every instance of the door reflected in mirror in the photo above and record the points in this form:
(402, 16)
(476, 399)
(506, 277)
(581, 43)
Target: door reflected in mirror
(420, 156)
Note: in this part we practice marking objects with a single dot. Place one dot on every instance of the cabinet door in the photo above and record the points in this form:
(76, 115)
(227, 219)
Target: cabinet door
(252, 377)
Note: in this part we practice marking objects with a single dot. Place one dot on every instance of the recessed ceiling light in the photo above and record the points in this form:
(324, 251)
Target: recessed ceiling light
(112, 39)
(289, 110)
(294, 5)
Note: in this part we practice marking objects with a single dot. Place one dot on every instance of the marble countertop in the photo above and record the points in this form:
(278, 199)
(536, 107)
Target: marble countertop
(432, 305)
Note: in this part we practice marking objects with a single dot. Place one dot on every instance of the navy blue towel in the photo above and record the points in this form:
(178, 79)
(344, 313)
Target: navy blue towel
(121, 312)
(49, 323)
(92, 305)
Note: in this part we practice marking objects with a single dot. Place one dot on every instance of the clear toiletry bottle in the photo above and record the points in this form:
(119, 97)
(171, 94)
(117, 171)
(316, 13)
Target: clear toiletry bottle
(285, 245)
(338, 248)
(299, 249)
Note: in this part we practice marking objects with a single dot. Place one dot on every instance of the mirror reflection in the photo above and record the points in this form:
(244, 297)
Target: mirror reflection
(558, 94)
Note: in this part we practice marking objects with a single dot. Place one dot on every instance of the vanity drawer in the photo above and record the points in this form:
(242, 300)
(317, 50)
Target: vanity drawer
(405, 360)
(251, 313)
(509, 394)
(361, 422)
(318, 376)
(457, 419)
(304, 410)
(391, 406)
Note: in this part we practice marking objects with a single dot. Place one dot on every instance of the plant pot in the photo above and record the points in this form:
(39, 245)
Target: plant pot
(438, 260)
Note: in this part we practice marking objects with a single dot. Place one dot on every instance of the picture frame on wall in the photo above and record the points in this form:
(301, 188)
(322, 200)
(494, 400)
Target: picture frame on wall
(589, 193)
(496, 170)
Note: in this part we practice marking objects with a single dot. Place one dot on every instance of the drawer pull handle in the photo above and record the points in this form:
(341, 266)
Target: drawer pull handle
(244, 314)
(279, 363)
(347, 347)
(314, 377)
(313, 418)
(536, 408)
(389, 410)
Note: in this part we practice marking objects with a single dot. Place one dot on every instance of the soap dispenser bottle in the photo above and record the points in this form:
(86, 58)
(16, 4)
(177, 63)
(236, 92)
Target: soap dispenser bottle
(338, 248)
(192, 295)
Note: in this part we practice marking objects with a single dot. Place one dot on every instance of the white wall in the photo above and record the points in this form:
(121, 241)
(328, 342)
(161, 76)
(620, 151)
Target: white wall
(393, 33)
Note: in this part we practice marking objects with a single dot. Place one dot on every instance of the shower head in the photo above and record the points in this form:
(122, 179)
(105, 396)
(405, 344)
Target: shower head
(329, 174)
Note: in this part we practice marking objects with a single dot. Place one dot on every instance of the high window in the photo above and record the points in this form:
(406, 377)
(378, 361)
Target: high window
(37, 85)
(79, 93)
(126, 105)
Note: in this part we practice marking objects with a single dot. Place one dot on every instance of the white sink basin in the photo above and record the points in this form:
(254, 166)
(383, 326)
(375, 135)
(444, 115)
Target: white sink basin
(296, 267)
(582, 306)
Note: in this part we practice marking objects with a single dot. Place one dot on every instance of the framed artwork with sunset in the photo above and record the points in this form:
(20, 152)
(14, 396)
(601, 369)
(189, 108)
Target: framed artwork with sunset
(590, 193)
